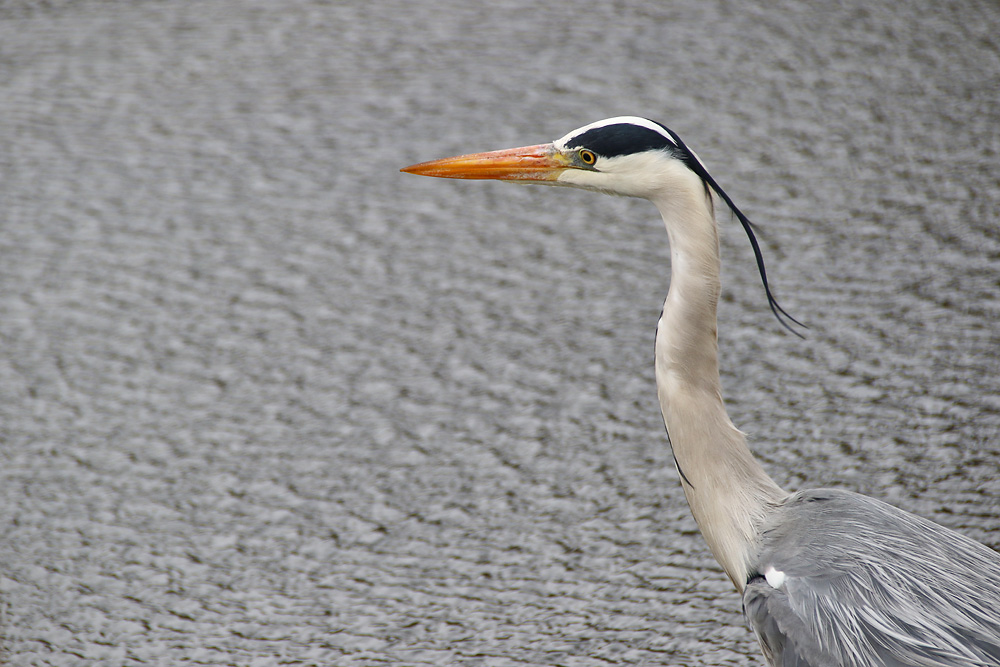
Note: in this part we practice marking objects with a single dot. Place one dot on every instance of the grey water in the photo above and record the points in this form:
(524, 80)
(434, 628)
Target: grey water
(265, 400)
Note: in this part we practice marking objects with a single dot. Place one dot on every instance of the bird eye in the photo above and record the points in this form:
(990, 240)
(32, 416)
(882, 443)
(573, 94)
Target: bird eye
(587, 157)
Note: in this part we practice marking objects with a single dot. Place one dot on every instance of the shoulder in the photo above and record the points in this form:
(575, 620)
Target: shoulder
(832, 529)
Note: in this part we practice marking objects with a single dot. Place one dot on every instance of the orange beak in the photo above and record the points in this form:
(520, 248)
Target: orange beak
(528, 163)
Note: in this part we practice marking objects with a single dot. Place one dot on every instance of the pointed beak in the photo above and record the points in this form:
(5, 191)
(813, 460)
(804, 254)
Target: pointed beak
(528, 163)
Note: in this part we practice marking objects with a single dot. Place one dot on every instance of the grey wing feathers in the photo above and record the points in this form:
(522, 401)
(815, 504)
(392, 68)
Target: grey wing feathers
(861, 583)
(784, 637)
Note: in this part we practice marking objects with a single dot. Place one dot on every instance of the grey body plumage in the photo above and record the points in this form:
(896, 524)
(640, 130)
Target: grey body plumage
(865, 583)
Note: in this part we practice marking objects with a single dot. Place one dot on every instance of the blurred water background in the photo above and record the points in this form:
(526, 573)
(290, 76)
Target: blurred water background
(266, 401)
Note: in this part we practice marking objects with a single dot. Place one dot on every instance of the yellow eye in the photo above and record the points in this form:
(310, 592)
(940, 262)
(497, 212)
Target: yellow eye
(587, 157)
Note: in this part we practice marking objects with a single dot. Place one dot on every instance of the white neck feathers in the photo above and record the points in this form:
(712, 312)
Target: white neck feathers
(727, 489)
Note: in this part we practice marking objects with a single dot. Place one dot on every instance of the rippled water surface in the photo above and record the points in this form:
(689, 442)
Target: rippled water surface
(265, 400)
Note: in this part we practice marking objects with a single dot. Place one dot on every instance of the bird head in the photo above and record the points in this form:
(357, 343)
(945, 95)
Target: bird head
(626, 155)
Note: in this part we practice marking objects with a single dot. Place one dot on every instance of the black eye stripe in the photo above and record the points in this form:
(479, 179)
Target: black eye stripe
(621, 139)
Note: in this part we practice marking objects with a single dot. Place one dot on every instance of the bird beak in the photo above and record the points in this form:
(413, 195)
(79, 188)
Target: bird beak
(528, 163)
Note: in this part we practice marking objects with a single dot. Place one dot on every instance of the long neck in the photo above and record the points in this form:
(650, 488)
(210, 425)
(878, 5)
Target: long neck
(727, 489)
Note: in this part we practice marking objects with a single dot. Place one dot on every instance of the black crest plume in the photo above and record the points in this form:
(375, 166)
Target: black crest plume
(697, 167)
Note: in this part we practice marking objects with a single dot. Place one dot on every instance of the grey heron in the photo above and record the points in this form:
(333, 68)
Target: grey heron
(829, 578)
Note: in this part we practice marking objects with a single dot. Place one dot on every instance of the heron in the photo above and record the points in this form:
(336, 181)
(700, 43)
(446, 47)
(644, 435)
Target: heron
(828, 577)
